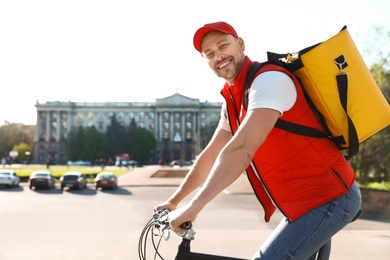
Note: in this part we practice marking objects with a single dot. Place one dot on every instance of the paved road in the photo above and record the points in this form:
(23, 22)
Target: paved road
(89, 224)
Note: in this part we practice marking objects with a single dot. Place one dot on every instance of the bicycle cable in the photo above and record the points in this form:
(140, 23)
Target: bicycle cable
(153, 229)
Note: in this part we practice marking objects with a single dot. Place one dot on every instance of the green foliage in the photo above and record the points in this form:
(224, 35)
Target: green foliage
(12, 134)
(94, 144)
(372, 163)
(144, 144)
(24, 151)
(116, 137)
(376, 186)
(74, 144)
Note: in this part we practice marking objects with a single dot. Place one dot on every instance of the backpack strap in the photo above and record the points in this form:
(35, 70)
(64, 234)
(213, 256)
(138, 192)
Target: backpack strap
(281, 123)
(342, 85)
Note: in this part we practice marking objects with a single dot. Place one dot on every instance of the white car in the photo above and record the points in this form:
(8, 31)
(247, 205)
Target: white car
(9, 178)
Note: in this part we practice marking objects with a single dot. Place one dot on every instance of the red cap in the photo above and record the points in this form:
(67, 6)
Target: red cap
(218, 26)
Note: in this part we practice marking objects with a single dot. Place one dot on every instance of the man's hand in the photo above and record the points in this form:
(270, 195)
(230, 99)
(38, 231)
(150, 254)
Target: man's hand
(181, 215)
(165, 205)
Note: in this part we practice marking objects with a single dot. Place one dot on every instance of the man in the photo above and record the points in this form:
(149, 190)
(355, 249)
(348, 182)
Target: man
(307, 179)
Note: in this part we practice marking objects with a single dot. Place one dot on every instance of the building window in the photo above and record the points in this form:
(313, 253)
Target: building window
(151, 115)
(177, 137)
(90, 115)
(177, 116)
(100, 116)
(166, 115)
(141, 116)
(121, 116)
(80, 116)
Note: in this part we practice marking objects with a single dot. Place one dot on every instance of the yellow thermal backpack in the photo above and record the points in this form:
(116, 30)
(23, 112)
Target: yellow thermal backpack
(339, 88)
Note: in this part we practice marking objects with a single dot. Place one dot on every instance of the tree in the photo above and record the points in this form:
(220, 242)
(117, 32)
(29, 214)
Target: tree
(94, 144)
(74, 143)
(131, 137)
(24, 152)
(116, 137)
(372, 163)
(12, 134)
(145, 143)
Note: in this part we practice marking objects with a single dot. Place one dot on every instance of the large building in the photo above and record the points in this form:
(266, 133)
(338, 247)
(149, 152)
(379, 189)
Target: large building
(181, 125)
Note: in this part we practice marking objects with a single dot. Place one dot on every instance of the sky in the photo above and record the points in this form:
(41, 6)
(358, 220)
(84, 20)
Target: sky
(126, 51)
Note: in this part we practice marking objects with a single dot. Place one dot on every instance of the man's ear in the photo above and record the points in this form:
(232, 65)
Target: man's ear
(241, 43)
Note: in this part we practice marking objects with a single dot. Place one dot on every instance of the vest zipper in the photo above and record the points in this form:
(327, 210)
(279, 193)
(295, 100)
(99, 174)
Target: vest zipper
(341, 179)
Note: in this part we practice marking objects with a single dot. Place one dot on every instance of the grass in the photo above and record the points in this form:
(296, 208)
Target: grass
(24, 171)
(376, 186)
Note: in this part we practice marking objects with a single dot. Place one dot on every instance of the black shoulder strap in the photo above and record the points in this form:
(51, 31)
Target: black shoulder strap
(280, 123)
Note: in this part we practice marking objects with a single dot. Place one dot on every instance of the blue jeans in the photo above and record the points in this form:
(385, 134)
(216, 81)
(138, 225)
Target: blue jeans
(302, 238)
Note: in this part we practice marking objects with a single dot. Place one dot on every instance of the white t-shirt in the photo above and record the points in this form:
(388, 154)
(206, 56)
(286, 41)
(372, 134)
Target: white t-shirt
(271, 89)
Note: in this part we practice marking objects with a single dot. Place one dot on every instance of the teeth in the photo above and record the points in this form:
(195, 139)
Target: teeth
(223, 65)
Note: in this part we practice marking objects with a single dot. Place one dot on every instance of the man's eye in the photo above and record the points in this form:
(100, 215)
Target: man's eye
(209, 55)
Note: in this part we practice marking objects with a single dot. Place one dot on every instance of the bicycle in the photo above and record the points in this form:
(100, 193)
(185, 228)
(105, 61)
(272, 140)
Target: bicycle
(158, 226)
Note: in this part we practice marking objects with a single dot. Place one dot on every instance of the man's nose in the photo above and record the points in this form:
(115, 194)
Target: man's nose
(219, 56)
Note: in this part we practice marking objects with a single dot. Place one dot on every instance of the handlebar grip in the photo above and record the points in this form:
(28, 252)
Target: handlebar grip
(186, 225)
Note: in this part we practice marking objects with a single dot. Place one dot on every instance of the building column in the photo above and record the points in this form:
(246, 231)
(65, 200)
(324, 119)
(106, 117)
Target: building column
(194, 141)
(157, 126)
(58, 126)
(48, 115)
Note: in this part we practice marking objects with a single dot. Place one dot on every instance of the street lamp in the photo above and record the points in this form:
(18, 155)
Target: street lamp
(27, 153)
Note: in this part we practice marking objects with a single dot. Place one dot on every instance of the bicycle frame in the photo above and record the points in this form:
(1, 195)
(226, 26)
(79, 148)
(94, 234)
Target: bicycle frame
(159, 227)
(184, 253)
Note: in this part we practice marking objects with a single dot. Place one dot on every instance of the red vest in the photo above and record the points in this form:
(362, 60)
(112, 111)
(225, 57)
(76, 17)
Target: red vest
(290, 172)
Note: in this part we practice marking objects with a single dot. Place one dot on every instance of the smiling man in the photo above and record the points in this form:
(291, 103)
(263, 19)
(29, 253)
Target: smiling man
(307, 179)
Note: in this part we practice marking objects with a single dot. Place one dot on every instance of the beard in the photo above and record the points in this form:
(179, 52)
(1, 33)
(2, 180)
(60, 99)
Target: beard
(230, 74)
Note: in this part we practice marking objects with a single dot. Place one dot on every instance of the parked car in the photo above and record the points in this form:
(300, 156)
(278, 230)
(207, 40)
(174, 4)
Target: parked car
(41, 179)
(9, 178)
(106, 180)
(180, 163)
(74, 180)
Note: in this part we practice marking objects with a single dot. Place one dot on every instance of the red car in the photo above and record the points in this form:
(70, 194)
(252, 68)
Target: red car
(106, 180)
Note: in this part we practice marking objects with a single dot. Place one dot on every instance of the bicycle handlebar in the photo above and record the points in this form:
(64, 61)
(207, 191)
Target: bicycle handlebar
(186, 225)
(161, 219)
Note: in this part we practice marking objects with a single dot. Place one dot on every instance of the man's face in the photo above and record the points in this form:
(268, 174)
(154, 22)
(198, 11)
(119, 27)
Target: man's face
(224, 54)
